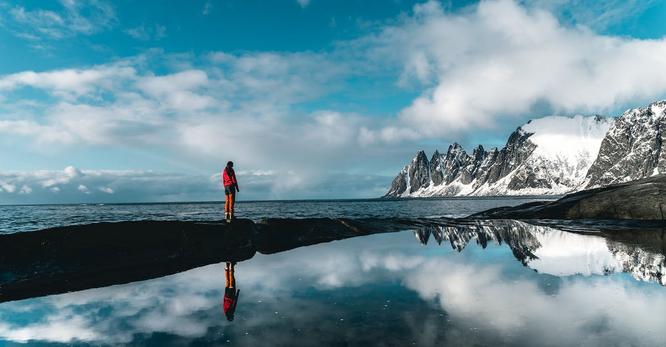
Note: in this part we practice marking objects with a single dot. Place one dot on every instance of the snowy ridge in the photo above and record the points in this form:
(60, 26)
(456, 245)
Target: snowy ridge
(550, 155)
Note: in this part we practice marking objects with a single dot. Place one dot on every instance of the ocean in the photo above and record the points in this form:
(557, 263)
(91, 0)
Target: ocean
(18, 218)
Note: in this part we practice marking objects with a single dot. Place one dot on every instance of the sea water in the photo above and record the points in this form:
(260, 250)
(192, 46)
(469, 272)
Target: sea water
(18, 218)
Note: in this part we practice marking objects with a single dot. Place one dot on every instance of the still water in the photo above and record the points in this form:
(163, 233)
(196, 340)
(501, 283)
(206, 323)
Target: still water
(26, 218)
(486, 283)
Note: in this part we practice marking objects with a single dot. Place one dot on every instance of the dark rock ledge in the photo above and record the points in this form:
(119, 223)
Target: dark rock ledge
(69, 258)
(644, 199)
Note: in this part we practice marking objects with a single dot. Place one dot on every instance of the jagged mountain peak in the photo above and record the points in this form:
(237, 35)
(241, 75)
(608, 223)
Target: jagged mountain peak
(420, 156)
(549, 155)
(455, 146)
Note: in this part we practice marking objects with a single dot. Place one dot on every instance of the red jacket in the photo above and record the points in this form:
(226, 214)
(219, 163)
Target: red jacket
(229, 303)
(229, 179)
(230, 300)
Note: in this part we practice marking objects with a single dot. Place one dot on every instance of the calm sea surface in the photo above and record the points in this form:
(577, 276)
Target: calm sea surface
(26, 218)
(507, 283)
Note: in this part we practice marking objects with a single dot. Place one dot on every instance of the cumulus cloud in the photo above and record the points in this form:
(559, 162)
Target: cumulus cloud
(70, 83)
(500, 60)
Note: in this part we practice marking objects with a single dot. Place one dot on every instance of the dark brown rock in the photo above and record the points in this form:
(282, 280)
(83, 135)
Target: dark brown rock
(637, 200)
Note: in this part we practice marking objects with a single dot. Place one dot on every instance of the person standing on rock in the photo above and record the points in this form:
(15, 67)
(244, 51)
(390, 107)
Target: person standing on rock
(230, 189)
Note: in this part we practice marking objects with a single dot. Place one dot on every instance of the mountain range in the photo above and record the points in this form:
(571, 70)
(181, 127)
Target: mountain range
(547, 156)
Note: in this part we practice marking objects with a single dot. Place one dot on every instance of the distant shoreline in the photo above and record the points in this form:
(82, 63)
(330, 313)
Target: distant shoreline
(380, 199)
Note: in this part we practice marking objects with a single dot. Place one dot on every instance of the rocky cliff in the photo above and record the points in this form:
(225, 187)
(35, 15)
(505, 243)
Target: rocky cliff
(634, 147)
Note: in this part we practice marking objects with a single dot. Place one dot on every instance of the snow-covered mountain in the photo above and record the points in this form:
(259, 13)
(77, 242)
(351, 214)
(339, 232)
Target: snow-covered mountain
(634, 148)
(549, 155)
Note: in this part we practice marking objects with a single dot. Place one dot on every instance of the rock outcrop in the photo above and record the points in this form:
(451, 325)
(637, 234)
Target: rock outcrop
(76, 257)
(643, 199)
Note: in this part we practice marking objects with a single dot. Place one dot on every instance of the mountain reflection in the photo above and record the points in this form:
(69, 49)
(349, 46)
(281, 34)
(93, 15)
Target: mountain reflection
(561, 253)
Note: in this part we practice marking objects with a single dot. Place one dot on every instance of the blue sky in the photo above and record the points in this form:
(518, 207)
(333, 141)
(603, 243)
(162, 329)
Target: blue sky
(146, 100)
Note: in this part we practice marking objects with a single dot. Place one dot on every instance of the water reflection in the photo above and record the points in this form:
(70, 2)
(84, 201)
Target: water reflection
(231, 293)
(560, 253)
(379, 289)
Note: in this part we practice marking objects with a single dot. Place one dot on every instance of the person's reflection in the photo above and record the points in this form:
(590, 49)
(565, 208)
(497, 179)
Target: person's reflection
(230, 292)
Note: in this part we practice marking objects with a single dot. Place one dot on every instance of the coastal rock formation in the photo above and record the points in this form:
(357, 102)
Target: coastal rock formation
(77, 257)
(643, 199)
(550, 155)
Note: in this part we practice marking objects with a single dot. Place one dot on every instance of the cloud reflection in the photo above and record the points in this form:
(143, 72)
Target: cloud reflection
(311, 295)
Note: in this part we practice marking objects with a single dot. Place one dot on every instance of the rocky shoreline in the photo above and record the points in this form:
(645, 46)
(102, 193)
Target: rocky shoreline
(76, 257)
(643, 199)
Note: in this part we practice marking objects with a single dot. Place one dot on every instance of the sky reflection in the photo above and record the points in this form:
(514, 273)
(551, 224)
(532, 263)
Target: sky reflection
(377, 289)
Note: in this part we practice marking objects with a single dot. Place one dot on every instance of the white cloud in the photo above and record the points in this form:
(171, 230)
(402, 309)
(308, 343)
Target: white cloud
(69, 83)
(106, 190)
(70, 19)
(83, 189)
(7, 187)
(303, 3)
(146, 33)
(499, 60)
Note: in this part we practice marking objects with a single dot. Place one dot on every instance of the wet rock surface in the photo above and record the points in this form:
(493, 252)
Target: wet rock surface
(68, 258)
(77, 257)
(637, 200)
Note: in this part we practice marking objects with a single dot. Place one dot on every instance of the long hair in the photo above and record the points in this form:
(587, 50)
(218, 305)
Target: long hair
(230, 166)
